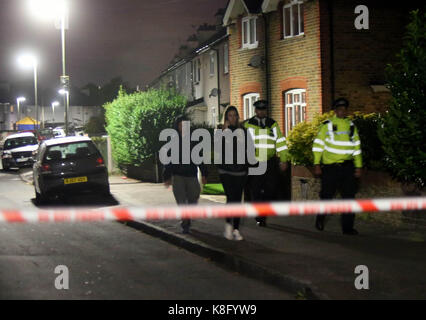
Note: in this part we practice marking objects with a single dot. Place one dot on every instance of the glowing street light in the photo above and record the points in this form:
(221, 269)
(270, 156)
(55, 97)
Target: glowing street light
(28, 60)
(18, 101)
(54, 104)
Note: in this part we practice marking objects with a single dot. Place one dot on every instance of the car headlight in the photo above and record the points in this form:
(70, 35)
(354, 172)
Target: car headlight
(6, 155)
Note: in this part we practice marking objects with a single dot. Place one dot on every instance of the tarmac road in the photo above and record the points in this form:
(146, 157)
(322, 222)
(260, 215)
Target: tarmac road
(105, 260)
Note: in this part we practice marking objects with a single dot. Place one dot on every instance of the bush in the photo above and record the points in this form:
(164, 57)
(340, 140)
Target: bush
(403, 127)
(95, 126)
(134, 122)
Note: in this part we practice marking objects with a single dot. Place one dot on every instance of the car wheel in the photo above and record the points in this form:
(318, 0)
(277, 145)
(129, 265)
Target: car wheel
(41, 198)
(5, 166)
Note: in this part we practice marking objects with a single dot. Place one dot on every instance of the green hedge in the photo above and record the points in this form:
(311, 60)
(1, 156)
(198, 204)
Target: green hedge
(134, 122)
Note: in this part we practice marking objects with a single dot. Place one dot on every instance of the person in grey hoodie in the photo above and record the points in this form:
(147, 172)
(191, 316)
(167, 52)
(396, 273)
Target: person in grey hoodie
(184, 177)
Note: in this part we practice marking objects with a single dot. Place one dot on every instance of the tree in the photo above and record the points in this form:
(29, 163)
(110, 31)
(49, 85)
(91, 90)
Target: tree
(402, 132)
(134, 122)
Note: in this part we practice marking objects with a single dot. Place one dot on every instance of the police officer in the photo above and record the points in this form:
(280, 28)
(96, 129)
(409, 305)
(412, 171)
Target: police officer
(338, 161)
(268, 142)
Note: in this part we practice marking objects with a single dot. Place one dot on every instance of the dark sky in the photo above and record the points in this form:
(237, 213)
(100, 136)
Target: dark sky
(135, 39)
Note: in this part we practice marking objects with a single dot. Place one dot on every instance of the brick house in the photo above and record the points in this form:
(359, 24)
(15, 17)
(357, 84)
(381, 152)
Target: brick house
(202, 75)
(301, 54)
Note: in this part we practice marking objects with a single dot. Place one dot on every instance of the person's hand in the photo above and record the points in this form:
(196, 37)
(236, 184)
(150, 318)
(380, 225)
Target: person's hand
(168, 183)
(283, 166)
(317, 171)
(204, 180)
(358, 172)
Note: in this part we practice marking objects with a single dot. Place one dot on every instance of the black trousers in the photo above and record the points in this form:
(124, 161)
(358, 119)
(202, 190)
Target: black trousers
(233, 186)
(263, 188)
(339, 178)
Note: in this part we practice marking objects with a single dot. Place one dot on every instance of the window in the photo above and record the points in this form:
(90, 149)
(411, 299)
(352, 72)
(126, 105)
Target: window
(249, 34)
(197, 70)
(249, 99)
(225, 58)
(295, 108)
(293, 23)
(212, 64)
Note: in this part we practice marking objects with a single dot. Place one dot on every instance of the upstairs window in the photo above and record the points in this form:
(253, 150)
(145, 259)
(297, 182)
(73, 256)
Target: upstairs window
(293, 21)
(197, 70)
(226, 58)
(295, 108)
(249, 33)
(212, 54)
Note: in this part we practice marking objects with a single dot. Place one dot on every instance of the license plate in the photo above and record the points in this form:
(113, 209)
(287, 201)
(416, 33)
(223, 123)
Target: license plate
(22, 160)
(75, 180)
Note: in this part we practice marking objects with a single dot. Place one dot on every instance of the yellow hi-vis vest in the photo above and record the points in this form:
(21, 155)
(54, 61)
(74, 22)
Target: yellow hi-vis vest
(268, 139)
(337, 141)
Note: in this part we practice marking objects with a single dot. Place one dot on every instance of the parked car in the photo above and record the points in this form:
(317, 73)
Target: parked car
(59, 133)
(41, 134)
(18, 150)
(71, 164)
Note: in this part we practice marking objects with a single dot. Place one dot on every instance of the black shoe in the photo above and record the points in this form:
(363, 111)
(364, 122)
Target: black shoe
(351, 232)
(261, 223)
(319, 223)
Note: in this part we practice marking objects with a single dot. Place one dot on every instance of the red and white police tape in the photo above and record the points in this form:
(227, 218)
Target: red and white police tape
(215, 211)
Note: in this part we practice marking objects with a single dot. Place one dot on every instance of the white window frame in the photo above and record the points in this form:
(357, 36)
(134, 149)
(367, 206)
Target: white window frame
(293, 5)
(292, 106)
(212, 63)
(226, 58)
(248, 100)
(197, 70)
(249, 44)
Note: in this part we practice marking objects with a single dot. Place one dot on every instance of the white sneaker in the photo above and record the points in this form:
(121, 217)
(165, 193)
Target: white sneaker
(237, 235)
(228, 231)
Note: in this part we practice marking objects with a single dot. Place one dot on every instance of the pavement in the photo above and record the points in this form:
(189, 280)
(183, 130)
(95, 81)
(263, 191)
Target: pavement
(291, 254)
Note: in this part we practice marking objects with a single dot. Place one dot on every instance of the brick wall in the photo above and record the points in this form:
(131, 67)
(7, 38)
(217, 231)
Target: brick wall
(360, 56)
(243, 78)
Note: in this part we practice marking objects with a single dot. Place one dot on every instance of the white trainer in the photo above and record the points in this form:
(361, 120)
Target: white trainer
(237, 235)
(228, 231)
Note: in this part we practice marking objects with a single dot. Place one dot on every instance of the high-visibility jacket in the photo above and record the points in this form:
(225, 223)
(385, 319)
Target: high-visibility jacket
(268, 139)
(337, 141)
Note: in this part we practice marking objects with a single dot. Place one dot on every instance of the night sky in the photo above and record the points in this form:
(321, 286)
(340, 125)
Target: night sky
(135, 39)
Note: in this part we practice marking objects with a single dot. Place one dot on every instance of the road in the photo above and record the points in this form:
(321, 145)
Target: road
(105, 260)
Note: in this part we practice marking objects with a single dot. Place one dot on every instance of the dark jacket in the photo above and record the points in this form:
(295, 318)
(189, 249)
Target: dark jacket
(184, 170)
(235, 166)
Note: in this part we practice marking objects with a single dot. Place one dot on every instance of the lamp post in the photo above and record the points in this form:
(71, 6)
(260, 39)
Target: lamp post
(18, 102)
(66, 95)
(57, 10)
(30, 60)
(54, 104)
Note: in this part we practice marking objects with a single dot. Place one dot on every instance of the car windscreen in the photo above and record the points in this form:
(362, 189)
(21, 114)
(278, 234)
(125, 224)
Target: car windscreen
(73, 150)
(19, 142)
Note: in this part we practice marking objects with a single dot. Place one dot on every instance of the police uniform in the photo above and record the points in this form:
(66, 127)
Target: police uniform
(268, 142)
(337, 148)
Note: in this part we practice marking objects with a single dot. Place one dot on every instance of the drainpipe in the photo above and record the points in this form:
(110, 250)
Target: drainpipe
(267, 72)
(218, 85)
(332, 75)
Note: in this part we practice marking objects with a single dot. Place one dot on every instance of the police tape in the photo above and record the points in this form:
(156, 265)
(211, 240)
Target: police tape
(213, 211)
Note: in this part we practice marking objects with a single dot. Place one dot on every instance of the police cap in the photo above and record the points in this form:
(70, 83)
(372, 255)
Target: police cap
(261, 104)
(341, 102)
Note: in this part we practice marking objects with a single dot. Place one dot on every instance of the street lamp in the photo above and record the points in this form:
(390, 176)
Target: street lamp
(18, 101)
(54, 104)
(57, 10)
(28, 60)
(66, 95)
